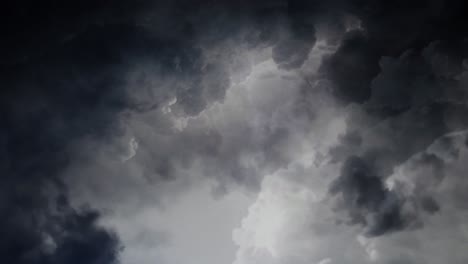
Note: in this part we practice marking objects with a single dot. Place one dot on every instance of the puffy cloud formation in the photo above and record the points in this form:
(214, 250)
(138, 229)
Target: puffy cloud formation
(344, 120)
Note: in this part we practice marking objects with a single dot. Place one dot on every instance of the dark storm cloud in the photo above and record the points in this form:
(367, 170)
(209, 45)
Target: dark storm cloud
(384, 146)
(352, 67)
(406, 70)
(63, 79)
(390, 29)
(365, 196)
(293, 49)
(64, 75)
(31, 234)
(64, 72)
(46, 106)
(369, 202)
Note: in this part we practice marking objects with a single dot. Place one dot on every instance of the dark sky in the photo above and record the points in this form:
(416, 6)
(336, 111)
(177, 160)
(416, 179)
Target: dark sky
(353, 112)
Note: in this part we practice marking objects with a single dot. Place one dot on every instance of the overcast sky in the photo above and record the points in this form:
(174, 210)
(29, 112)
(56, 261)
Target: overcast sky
(234, 132)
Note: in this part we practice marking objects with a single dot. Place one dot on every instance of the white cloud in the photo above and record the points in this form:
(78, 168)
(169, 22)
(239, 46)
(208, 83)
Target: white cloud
(195, 229)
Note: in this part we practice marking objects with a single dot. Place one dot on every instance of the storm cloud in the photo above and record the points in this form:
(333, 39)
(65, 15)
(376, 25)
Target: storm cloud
(112, 108)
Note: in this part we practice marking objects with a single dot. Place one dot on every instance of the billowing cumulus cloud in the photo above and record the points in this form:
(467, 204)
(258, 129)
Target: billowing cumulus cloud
(343, 122)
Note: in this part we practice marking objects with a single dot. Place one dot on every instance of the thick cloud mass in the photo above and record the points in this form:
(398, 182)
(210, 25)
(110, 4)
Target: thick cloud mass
(364, 194)
(110, 107)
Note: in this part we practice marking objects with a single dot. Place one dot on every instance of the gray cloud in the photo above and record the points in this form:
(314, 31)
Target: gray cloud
(83, 79)
(412, 103)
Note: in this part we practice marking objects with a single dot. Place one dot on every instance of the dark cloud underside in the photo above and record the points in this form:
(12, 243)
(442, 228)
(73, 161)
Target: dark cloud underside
(64, 70)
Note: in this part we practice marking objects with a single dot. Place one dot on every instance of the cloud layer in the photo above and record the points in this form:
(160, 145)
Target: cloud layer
(345, 119)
